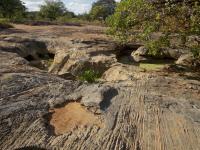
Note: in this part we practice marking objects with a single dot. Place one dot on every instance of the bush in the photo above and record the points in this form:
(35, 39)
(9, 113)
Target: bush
(4, 24)
(130, 15)
(89, 75)
(148, 17)
(155, 46)
(63, 19)
(52, 9)
(12, 9)
(196, 52)
(102, 9)
(85, 17)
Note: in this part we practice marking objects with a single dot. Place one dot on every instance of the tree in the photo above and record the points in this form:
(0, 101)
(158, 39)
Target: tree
(84, 16)
(146, 17)
(102, 9)
(12, 9)
(32, 15)
(69, 14)
(169, 17)
(99, 13)
(52, 9)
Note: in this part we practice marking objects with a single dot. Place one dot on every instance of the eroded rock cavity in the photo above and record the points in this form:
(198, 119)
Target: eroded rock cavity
(34, 51)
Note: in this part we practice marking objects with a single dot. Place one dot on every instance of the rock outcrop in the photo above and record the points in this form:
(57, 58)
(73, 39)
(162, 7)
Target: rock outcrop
(189, 61)
(142, 54)
(77, 61)
(131, 110)
(119, 72)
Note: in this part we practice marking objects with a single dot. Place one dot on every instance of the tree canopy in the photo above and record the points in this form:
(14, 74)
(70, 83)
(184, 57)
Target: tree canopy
(12, 8)
(52, 9)
(150, 17)
(138, 19)
(102, 9)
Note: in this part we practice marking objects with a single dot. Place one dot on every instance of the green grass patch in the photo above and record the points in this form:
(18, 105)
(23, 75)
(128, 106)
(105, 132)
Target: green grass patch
(151, 66)
(155, 65)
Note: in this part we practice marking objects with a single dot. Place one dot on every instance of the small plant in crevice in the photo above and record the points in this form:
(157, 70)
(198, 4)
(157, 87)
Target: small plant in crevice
(89, 75)
(196, 52)
(49, 62)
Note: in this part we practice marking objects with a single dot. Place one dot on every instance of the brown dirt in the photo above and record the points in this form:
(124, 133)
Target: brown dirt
(72, 116)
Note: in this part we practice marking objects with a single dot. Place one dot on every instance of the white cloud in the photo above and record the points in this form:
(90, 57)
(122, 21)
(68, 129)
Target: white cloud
(33, 5)
(77, 6)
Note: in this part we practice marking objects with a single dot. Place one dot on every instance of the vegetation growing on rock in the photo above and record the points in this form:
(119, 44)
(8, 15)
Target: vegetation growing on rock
(196, 51)
(146, 98)
(138, 19)
(89, 76)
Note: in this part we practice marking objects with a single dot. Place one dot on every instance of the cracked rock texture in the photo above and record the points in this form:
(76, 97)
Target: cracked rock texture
(139, 110)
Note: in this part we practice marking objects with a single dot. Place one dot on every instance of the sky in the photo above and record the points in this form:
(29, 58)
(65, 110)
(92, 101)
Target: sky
(77, 6)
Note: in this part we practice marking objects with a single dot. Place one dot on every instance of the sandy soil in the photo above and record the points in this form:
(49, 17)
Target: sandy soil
(72, 116)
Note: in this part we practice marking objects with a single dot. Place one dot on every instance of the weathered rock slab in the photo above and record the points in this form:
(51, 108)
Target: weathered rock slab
(138, 110)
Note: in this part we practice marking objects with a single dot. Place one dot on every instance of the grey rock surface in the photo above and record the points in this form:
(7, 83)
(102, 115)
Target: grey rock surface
(188, 60)
(149, 111)
(142, 53)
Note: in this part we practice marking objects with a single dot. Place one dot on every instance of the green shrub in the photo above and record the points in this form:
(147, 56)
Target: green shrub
(63, 19)
(89, 75)
(129, 16)
(196, 51)
(148, 17)
(155, 46)
(102, 9)
(4, 24)
(12, 9)
(52, 9)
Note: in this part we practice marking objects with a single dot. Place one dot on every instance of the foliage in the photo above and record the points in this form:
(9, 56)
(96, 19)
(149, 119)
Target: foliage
(33, 15)
(12, 9)
(52, 9)
(196, 51)
(84, 16)
(4, 24)
(155, 46)
(138, 19)
(89, 76)
(69, 14)
(102, 9)
(67, 17)
(63, 19)
(129, 15)
(98, 12)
